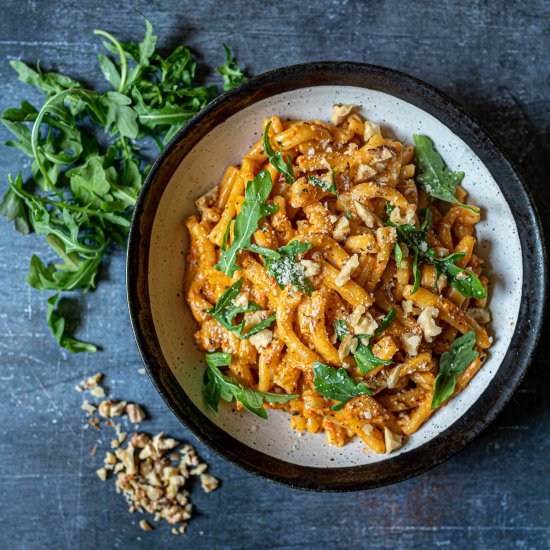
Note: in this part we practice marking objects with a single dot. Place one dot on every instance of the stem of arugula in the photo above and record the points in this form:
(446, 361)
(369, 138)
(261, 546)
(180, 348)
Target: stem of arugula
(121, 54)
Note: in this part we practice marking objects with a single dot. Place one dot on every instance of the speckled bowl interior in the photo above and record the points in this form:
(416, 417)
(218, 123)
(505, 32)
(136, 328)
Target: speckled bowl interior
(195, 162)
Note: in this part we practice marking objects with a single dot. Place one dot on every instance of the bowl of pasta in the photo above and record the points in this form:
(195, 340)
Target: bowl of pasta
(335, 278)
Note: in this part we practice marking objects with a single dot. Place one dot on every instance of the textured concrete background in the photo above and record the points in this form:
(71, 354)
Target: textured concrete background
(490, 56)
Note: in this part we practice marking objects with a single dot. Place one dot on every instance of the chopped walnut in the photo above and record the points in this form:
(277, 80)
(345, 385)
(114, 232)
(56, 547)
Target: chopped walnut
(145, 525)
(209, 483)
(347, 270)
(110, 408)
(135, 413)
(102, 473)
(340, 112)
(140, 439)
(88, 407)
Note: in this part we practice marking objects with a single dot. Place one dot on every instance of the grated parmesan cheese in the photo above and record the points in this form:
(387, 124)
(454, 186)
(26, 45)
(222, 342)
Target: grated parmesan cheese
(311, 268)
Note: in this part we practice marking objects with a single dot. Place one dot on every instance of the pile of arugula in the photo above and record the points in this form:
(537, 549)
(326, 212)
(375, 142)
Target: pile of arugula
(89, 156)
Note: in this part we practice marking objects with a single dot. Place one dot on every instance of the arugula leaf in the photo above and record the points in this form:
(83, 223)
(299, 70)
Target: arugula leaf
(463, 280)
(280, 264)
(433, 175)
(57, 324)
(14, 209)
(398, 255)
(225, 312)
(451, 364)
(365, 358)
(388, 319)
(230, 71)
(254, 208)
(335, 383)
(340, 328)
(415, 238)
(325, 186)
(218, 386)
(90, 153)
(276, 159)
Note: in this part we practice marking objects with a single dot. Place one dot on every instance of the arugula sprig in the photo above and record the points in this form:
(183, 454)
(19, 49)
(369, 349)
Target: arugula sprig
(276, 159)
(324, 185)
(225, 312)
(433, 174)
(451, 364)
(230, 71)
(90, 155)
(254, 208)
(56, 322)
(365, 358)
(281, 265)
(335, 383)
(415, 238)
(219, 386)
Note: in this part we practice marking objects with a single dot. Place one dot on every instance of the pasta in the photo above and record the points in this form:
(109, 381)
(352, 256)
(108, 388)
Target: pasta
(349, 293)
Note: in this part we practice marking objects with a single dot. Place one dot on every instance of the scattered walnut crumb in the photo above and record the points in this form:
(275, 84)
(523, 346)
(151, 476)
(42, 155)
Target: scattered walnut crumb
(153, 480)
(95, 423)
(97, 391)
(110, 408)
(145, 525)
(93, 450)
(209, 483)
(102, 473)
(88, 407)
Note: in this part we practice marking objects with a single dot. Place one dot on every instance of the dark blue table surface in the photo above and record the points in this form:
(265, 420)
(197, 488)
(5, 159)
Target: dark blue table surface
(493, 57)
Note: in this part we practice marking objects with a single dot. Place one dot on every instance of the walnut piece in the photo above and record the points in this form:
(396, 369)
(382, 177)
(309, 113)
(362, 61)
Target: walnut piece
(135, 413)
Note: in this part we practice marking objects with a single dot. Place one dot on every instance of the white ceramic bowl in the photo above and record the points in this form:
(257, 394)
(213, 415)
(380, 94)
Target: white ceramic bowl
(195, 161)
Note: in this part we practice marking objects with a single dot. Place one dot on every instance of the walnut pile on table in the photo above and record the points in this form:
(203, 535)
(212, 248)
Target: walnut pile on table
(152, 476)
(150, 472)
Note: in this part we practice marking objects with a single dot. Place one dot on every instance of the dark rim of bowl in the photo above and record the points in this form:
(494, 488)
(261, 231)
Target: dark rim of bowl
(530, 317)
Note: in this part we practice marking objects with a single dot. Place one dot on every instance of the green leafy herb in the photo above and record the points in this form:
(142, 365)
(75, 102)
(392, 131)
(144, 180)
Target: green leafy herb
(90, 153)
(225, 312)
(433, 175)
(415, 238)
(335, 383)
(388, 319)
(218, 386)
(276, 159)
(230, 71)
(324, 185)
(365, 358)
(453, 363)
(398, 255)
(57, 323)
(254, 208)
(281, 265)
